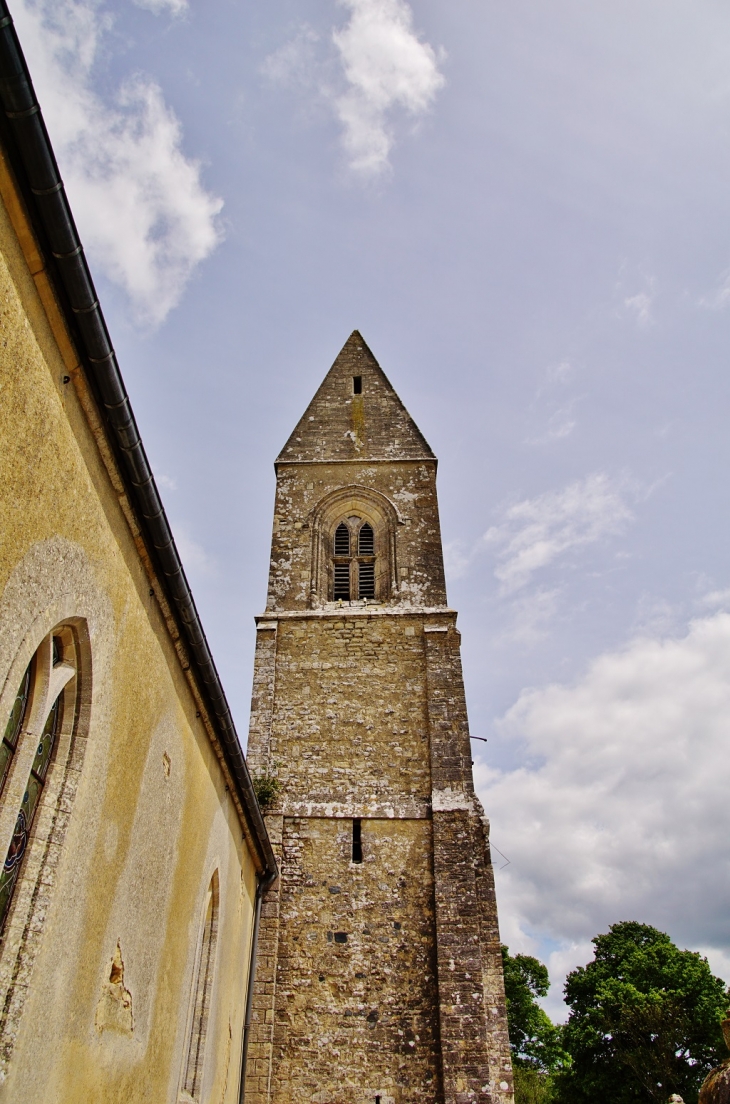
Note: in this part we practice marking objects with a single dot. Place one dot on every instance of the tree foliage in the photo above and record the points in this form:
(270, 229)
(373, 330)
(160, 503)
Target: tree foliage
(534, 1039)
(644, 1022)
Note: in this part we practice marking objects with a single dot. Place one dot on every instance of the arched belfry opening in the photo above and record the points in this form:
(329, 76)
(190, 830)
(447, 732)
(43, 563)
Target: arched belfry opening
(353, 566)
(354, 547)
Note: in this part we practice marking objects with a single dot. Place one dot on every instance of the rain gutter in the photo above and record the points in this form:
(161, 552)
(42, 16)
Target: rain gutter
(37, 176)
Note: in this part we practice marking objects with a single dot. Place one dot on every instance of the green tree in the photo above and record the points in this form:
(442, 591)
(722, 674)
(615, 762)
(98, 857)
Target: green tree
(644, 1022)
(534, 1039)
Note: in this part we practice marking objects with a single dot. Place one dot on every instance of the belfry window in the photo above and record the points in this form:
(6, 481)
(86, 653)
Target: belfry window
(366, 540)
(342, 540)
(353, 574)
(38, 708)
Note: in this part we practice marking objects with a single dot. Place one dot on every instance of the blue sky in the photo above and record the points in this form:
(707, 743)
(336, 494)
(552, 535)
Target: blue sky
(524, 209)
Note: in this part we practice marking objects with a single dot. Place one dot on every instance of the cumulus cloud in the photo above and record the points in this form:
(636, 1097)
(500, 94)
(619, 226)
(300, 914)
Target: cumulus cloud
(536, 531)
(552, 413)
(296, 64)
(175, 7)
(719, 299)
(380, 67)
(143, 213)
(639, 306)
(636, 305)
(560, 424)
(530, 616)
(197, 561)
(457, 558)
(621, 809)
(386, 66)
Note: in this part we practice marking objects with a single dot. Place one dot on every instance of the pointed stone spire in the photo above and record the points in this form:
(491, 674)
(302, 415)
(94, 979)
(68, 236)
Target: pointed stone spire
(355, 415)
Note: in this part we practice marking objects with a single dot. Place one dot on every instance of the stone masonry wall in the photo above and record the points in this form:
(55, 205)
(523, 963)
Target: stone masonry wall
(379, 981)
(411, 488)
(356, 988)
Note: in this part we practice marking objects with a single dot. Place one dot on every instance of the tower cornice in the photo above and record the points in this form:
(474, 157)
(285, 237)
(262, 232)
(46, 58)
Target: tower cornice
(364, 461)
(347, 612)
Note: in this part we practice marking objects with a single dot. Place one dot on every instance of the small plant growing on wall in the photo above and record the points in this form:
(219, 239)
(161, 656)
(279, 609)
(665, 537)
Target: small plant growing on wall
(266, 786)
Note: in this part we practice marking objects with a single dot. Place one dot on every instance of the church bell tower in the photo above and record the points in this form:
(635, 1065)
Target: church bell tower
(379, 977)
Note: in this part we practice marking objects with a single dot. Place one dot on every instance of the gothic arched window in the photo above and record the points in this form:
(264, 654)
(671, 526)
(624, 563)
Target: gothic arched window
(204, 976)
(13, 727)
(354, 560)
(27, 748)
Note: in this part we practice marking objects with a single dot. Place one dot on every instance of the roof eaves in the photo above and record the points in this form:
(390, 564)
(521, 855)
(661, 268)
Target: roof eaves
(33, 161)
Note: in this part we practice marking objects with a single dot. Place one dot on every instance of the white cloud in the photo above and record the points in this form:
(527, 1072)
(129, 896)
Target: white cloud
(719, 961)
(530, 615)
(456, 559)
(143, 214)
(552, 413)
(196, 560)
(386, 66)
(639, 306)
(716, 599)
(295, 64)
(560, 373)
(536, 531)
(175, 7)
(621, 810)
(560, 424)
(720, 297)
(380, 67)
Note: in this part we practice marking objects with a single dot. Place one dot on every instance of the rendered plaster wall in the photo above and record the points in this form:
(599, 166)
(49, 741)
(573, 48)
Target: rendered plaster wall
(98, 955)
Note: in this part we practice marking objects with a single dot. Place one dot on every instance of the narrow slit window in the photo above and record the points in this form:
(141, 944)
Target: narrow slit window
(357, 385)
(366, 540)
(356, 840)
(366, 580)
(342, 540)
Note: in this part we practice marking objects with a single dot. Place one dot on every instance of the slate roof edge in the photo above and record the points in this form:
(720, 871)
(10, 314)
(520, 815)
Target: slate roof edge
(28, 148)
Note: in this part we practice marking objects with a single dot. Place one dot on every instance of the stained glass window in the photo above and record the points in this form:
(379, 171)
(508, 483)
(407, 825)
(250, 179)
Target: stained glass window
(13, 727)
(36, 779)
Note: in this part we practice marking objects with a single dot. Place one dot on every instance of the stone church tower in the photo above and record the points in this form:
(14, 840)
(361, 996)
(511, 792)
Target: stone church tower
(379, 978)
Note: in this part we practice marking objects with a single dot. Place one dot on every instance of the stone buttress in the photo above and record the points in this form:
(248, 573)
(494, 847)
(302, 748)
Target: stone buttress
(379, 976)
